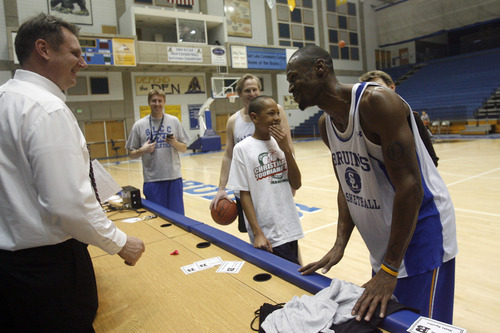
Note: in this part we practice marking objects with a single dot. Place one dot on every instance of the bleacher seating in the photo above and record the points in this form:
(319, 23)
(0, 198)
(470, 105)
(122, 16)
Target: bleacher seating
(448, 89)
(397, 72)
(491, 107)
(455, 87)
(308, 128)
(477, 129)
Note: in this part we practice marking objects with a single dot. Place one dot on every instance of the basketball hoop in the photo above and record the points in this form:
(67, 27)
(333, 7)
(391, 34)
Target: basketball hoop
(232, 97)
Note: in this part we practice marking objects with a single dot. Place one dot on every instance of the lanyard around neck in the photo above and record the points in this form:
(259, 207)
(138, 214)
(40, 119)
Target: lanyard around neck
(151, 129)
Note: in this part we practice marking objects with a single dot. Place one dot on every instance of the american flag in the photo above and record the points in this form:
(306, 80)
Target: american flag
(182, 2)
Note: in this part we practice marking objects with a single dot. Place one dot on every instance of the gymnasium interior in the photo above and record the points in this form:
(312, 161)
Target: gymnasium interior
(444, 57)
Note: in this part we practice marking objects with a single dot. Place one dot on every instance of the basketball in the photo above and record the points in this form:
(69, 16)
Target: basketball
(225, 212)
(342, 43)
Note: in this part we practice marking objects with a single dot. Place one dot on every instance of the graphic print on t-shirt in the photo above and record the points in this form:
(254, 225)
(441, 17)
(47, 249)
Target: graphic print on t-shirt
(271, 167)
(160, 135)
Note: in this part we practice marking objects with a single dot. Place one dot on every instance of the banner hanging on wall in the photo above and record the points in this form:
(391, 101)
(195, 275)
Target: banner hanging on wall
(124, 51)
(171, 85)
(184, 54)
(258, 57)
(194, 109)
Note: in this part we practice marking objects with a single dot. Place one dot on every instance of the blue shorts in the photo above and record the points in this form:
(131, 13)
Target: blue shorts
(166, 193)
(432, 292)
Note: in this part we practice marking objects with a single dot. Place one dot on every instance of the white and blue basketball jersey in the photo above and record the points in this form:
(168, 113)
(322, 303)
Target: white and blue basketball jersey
(242, 129)
(370, 196)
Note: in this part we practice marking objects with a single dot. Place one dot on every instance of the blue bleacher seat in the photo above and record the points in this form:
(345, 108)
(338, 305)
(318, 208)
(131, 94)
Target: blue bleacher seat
(455, 87)
(309, 127)
(448, 89)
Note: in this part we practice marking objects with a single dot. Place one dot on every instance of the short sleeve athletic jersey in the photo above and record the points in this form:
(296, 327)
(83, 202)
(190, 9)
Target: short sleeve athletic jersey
(164, 163)
(370, 196)
(242, 129)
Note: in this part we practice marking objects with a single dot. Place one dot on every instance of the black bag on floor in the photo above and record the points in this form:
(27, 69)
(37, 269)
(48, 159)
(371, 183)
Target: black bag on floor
(262, 313)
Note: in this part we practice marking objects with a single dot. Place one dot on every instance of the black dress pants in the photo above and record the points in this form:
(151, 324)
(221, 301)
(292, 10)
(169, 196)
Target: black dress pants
(48, 289)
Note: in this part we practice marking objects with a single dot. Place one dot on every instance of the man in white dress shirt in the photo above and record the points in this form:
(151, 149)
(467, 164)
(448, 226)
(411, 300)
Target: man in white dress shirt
(49, 212)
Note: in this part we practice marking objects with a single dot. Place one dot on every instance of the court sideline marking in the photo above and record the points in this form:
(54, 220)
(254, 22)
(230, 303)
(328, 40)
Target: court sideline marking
(472, 177)
(476, 212)
(322, 227)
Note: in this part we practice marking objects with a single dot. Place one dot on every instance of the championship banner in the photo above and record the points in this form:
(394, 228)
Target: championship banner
(124, 52)
(171, 85)
(184, 54)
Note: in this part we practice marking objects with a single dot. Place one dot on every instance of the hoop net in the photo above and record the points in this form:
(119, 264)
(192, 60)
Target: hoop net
(232, 97)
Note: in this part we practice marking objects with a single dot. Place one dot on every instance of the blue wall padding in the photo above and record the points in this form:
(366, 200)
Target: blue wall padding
(397, 322)
(175, 218)
(263, 259)
(400, 321)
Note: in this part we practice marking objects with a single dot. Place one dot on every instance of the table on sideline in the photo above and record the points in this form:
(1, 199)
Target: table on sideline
(156, 295)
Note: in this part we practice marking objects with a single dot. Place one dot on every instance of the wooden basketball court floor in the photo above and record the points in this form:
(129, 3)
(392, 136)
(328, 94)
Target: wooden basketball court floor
(470, 168)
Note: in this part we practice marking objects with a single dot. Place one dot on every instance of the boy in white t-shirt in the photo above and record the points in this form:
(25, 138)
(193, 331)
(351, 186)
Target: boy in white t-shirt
(264, 171)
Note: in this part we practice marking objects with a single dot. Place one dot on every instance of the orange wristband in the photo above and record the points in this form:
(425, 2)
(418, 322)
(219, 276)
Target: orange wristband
(388, 270)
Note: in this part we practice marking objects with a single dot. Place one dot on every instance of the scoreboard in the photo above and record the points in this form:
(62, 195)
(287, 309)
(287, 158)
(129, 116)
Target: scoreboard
(108, 51)
(97, 51)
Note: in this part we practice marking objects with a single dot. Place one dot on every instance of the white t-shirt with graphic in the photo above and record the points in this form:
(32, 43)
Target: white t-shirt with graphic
(260, 167)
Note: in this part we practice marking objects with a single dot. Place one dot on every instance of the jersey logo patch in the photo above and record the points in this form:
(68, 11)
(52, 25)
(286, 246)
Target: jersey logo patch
(353, 180)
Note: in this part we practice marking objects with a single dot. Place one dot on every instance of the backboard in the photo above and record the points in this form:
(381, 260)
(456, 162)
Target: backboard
(224, 87)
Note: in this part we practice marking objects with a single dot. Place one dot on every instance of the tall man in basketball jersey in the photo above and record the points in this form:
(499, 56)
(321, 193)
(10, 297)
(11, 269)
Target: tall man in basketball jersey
(389, 189)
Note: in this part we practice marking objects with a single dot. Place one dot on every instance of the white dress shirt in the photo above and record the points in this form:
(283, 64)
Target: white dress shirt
(46, 194)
